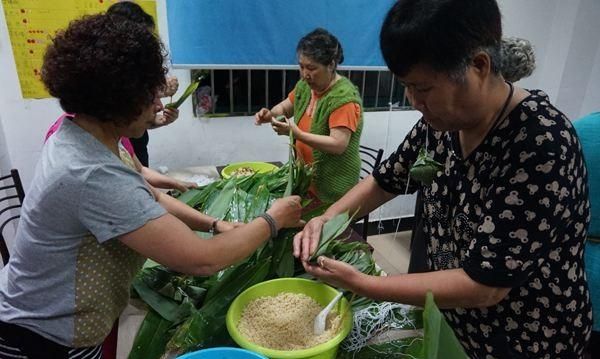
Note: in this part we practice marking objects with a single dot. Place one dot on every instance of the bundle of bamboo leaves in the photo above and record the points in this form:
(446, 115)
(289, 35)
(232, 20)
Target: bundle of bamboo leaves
(188, 313)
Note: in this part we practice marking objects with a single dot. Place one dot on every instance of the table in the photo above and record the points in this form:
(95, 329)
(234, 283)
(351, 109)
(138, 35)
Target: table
(191, 173)
(133, 315)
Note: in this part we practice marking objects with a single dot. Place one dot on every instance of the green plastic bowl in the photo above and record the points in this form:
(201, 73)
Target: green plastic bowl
(260, 167)
(320, 292)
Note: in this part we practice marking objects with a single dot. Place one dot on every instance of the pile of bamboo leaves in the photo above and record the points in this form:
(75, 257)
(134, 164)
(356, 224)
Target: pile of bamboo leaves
(188, 313)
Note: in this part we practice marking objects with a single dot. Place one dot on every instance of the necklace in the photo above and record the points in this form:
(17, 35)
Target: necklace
(455, 136)
(504, 107)
(314, 94)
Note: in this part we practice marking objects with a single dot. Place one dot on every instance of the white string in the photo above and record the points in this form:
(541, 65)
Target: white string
(426, 137)
(399, 347)
(408, 176)
(380, 227)
(376, 319)
(405, 193)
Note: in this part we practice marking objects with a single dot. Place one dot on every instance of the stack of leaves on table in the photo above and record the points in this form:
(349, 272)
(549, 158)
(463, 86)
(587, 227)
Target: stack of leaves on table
(188, 313)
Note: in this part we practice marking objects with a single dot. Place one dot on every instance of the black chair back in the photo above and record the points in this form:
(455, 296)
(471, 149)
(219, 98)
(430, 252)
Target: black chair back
(370, 158)
(13, 193)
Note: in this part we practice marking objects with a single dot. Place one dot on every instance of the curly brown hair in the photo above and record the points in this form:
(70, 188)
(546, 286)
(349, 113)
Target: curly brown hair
(106, 67)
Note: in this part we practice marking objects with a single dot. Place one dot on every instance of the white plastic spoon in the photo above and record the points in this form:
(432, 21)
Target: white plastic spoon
(321, 318)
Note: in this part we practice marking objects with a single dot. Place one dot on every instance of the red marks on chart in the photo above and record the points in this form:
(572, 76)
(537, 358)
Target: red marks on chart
(34, 41)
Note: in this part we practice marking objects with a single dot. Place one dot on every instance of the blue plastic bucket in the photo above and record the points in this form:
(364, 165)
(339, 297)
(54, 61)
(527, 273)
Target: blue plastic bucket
(222, 353)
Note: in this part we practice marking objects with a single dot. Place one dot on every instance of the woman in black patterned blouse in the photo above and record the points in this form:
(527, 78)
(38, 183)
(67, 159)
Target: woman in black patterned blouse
(505, 218)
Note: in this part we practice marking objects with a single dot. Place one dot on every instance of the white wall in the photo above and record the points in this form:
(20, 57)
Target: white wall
(24, 122)
(579, 87)
(564, 34)
(567, 47)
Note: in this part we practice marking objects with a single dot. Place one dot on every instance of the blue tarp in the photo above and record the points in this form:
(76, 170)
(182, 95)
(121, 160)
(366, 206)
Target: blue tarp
(264, 33)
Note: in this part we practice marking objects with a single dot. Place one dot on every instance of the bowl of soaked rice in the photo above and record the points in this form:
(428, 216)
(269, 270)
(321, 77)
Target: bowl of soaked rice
(275, 318)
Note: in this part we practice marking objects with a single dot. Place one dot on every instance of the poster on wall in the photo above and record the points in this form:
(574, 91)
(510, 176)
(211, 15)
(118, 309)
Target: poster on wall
(32, 23)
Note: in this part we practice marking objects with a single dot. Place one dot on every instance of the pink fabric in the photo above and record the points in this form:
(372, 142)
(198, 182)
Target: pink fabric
(128, 146)
(56, 125)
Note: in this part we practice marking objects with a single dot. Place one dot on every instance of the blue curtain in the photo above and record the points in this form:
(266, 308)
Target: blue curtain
(264, 33)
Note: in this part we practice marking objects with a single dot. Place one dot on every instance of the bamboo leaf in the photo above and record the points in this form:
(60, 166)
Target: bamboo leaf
(220, 206)
(165, 307)
(190, 196)
(259, 203)
(200, 329)
(188, 91)
(292, 161)
(222, 278)
(283, 259)
(439, 339)
(425, 168)
(152, 337)
(331, 230)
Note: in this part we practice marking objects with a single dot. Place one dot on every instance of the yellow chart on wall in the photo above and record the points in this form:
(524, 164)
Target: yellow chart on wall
(31, 23)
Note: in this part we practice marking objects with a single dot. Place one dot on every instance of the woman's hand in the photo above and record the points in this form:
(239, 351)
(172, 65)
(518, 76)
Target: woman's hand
(168, 116)
(183, 186)
(283, 127)
(287, 212)
(264, 115)
(336, 273)
(171, 86)
(307, 240)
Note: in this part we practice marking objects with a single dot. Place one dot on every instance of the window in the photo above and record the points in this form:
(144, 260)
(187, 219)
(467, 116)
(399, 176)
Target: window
(244, 92)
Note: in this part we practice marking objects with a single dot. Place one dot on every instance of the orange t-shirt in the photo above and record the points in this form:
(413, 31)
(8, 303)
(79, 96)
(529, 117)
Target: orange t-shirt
(347, 116)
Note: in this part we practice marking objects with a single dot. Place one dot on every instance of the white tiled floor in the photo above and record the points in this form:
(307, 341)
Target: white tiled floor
(391, 251)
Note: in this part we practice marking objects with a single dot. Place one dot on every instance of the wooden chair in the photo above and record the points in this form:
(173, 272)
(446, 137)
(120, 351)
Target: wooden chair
(370, 158)
(12, 190)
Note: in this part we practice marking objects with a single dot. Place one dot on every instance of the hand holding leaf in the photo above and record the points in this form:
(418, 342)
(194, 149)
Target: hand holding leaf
(188, 91)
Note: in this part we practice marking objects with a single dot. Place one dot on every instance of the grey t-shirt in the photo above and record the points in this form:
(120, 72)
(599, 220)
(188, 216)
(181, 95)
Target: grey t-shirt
(68, 277)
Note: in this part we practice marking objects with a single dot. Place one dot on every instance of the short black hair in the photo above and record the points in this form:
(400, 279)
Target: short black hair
(106, 68)
(321, 46)
(442, 34)
(131, 11)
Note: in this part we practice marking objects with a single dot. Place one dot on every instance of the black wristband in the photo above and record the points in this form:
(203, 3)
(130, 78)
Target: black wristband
(272, 225)
(213, 226)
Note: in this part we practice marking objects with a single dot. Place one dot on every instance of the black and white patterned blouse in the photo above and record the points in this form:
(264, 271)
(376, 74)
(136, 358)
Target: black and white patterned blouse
(513, 214)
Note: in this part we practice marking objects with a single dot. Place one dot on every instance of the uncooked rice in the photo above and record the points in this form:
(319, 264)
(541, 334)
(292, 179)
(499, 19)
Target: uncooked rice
(285, 322)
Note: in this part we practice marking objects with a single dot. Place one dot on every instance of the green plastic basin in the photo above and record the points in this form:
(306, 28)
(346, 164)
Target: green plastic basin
(320, 292)
(260, 167)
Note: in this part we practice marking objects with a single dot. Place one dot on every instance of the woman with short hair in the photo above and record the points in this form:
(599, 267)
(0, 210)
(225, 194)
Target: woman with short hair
(327, 116)
(506, 216)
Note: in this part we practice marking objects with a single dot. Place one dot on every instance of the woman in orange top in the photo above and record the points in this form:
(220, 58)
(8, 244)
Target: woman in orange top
(327, 116)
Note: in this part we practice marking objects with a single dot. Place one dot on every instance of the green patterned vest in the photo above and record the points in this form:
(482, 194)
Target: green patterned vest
(334, 174)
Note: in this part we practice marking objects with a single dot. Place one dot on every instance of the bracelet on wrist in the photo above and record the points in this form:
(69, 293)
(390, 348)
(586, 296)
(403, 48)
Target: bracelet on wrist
(213, 226)
(271, 222)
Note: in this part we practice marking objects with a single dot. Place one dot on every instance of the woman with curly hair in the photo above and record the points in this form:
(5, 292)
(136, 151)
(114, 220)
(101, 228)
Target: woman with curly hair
(518, 58)
(90, 220)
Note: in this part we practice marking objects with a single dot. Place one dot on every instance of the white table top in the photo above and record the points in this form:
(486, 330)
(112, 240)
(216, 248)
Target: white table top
(199, 174)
